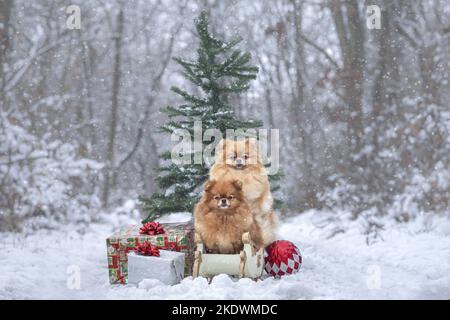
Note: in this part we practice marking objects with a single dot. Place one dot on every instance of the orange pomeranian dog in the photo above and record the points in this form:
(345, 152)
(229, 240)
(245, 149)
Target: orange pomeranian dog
(222, 216)
(241, 160)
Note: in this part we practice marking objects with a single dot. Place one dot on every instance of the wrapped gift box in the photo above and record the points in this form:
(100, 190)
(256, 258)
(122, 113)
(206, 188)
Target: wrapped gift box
(168, 267)
(177, 237)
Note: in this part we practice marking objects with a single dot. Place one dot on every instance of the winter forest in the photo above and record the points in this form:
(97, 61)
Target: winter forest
(364, 124)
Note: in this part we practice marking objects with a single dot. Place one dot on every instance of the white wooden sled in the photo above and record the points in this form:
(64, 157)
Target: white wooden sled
(248, 263)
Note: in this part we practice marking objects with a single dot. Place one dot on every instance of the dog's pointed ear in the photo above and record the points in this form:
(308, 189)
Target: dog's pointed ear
(209, 184)
(237, 184)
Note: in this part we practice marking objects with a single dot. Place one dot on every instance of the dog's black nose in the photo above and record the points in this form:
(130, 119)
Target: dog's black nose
(224, 201)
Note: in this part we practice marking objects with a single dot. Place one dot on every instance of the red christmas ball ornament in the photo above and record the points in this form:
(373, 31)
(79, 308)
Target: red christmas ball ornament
(282, 257)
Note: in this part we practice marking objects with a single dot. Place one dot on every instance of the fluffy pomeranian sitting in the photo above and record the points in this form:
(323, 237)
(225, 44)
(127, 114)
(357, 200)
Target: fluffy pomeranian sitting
(241, 160)
(222, 216)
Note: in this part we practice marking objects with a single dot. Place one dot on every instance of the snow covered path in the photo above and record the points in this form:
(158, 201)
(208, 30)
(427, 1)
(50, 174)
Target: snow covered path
(409, 263)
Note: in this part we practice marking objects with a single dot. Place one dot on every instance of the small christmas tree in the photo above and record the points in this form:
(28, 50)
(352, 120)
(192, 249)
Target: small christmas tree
(219, 71)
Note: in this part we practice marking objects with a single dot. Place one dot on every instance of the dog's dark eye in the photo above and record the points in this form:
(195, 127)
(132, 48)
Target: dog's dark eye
(245, 156)
(230, 197)
(216, 197)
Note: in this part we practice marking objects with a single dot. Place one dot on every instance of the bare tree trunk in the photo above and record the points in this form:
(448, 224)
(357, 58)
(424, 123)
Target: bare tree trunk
(349, 27)
(87, 72)
(385, 89)
(109, 173)
(304, 113)
(427, 67)
(299, 102)
(7, 197)
(5, 15)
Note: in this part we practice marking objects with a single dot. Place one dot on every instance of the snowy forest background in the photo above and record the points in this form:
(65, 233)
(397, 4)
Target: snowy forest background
(363, 114)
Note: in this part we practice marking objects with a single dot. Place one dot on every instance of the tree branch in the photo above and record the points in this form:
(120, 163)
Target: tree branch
(320, 49)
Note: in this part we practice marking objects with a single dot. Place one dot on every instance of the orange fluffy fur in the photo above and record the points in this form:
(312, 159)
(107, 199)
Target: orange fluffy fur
(222, 216)
(256, 188)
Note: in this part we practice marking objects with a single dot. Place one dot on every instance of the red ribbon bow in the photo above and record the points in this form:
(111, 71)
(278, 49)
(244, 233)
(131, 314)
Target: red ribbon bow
(152, 228)
(147, 249)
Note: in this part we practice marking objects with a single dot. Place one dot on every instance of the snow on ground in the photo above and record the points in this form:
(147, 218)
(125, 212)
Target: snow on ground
(411, 262)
